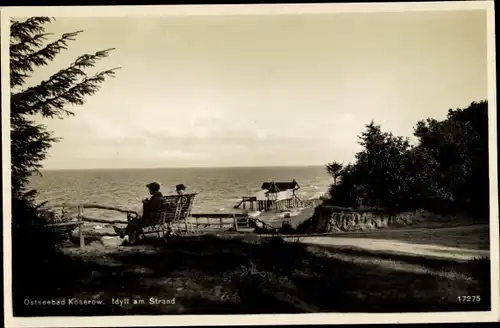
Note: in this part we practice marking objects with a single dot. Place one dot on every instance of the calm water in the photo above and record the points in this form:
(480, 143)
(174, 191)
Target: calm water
(219, 189)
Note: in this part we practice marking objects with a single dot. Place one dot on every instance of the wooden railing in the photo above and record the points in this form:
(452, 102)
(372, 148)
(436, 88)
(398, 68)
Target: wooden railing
(219, 220)
(236, 220)
(79, 222)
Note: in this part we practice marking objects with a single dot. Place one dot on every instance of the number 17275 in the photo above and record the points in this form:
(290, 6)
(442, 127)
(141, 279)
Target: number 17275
(469, 299)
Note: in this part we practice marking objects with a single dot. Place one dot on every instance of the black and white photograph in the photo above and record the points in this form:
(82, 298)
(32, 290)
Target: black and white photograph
(305, 163)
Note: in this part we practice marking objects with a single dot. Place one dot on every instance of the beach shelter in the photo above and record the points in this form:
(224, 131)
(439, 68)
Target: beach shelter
(272, 194)
(277, 195)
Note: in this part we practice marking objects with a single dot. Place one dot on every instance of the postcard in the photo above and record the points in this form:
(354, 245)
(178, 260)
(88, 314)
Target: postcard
(250, 164)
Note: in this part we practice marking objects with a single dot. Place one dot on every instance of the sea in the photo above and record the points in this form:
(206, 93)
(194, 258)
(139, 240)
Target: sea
(218, 189)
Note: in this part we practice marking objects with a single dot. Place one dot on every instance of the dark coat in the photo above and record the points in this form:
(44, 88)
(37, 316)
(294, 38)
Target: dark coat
(151, 207)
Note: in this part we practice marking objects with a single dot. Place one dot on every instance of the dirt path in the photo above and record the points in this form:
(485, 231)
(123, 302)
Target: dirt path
(457, 243)
(275, 220)
(454, 243)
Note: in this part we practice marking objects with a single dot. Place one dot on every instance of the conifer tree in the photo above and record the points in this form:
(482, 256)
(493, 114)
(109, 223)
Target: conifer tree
(30, 49)
(34, 246)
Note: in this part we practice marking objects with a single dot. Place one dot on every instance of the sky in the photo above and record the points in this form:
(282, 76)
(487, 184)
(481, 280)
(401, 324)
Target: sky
(262, 90)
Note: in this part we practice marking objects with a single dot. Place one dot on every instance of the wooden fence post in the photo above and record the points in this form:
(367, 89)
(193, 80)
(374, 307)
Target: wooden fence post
(235, 220)
(80, 226)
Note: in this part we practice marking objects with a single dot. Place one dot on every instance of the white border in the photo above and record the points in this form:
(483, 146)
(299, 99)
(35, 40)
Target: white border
(273, 9)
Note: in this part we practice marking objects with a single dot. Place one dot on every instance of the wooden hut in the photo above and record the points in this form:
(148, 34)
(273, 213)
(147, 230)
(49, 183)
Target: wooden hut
(278, 196)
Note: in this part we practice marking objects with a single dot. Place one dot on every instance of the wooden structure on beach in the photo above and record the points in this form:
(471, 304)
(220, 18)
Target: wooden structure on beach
(273, 196)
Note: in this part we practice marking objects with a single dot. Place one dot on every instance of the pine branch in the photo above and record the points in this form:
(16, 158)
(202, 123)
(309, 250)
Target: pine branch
(21, 30)
(29, 141)
(18, 50)
(21, 64)
(54, 107)
(48, 96)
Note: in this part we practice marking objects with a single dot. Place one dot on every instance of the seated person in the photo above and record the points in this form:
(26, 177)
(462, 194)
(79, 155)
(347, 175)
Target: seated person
(150, 211)
(181, 189)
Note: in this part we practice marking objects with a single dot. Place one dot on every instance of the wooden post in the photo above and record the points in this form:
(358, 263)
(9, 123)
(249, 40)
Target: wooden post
(80, 226)
(80, 233)
(220, 220)
(235, 220)
(196, 222)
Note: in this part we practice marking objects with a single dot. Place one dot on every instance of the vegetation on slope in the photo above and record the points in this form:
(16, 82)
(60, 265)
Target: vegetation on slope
(446, 171)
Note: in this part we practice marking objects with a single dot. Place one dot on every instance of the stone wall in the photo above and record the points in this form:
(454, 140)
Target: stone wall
(338, 219)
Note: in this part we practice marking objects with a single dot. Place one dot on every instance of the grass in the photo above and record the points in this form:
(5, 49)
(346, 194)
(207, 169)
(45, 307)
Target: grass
(219, 275)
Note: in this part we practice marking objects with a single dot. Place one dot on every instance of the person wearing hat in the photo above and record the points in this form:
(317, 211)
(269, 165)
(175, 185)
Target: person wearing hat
(181, 189)
(151, 205)
(149, 213)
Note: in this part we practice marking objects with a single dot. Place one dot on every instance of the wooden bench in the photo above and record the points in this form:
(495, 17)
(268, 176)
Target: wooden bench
(173, 211)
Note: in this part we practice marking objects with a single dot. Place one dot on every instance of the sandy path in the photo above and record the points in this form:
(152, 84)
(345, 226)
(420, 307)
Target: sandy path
(276, 220)
(432, 243)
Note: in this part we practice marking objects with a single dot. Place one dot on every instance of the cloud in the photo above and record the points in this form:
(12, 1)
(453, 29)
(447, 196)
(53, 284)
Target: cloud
(143, 126)
(94, 127)
(146, 152)
(217, 127)
(195, 137)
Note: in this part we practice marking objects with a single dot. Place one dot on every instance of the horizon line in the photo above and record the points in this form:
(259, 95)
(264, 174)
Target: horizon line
(180, 167)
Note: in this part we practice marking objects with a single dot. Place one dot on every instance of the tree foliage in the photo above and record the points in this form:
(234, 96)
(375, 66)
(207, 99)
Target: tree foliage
(33, 245)
(30, 141)
(334, 169)
(447, 170)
